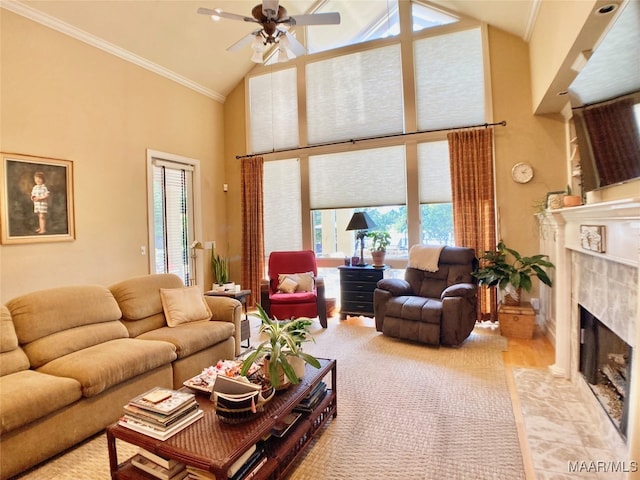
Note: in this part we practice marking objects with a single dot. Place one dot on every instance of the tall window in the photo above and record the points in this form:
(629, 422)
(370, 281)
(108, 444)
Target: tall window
(282, 209)
(374, 93)
(172, 220)
(436, 209)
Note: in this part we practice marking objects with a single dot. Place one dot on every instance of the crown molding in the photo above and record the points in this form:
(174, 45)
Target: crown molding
(63, 27)
(531, 21)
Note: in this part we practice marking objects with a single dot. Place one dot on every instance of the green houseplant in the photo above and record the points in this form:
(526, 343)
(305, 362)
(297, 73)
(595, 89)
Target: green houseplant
(282, 345)
(380, 241)
(220, 267)
(509, 271)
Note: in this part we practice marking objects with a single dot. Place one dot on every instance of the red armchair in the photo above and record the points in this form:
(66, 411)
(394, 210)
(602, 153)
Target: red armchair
(289, 293)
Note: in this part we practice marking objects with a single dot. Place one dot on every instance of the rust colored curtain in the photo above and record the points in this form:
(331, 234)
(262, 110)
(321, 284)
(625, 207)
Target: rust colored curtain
(473, 196)
(614, 141)
(252, 226)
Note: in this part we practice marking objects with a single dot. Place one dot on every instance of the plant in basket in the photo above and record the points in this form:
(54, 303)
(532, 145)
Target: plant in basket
(282, 345)
(506, 269)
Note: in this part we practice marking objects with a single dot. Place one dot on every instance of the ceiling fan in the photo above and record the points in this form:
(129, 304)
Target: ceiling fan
(274, 22)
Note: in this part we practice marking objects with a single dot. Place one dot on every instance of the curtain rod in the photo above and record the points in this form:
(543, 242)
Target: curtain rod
(503, 123)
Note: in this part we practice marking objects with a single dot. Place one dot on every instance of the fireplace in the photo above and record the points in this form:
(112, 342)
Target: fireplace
(604, 282)
(605, 361)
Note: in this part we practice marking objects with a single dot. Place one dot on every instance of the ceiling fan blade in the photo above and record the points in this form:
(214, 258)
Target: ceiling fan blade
(331, 18)
(243, 42)
(216, 12)
(294, 45)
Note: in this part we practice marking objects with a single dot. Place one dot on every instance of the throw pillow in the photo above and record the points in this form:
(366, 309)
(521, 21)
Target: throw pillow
(303, 281)
(183, 305)
(286, 284)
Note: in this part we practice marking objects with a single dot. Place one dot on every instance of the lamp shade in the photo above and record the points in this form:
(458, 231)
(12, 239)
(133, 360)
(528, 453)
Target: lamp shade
(361, 221)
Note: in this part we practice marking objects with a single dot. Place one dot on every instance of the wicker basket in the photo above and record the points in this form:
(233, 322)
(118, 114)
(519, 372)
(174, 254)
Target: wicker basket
(240, 415)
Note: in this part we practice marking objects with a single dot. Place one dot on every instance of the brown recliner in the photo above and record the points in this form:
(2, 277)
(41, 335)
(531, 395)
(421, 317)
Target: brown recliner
(436, 308)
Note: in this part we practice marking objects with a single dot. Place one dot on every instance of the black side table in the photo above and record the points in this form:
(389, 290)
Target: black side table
(356, 289)
(241, 296)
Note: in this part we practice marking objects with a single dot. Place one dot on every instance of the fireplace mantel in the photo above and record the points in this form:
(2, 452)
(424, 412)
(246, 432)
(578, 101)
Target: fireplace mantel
(621, 220)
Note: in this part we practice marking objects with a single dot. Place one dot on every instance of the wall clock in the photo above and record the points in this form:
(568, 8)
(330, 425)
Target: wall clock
(522, 172)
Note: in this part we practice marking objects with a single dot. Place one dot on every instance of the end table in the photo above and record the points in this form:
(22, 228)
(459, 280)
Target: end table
(241, 296)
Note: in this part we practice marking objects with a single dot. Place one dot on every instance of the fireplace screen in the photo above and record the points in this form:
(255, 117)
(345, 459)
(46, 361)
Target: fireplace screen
(605, 361)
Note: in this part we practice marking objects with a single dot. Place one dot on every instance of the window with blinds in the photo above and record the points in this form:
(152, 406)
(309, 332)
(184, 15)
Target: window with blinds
(362, 95)
(282, 206)
(449, 79)
(273, 104)
(365, 95)
(363, 178)
(173, 218)
(436, 209)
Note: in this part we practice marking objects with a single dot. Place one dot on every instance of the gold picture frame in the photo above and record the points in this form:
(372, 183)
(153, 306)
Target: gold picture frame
(37, 199)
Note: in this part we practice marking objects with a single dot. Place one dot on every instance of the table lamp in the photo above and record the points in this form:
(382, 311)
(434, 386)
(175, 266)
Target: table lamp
(361, 222)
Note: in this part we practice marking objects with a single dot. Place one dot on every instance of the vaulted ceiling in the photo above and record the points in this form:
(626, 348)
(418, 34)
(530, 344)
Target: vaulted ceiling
(169, 37)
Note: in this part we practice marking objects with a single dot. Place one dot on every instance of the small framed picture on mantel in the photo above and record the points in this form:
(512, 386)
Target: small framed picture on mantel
(37, 199)
(592, 237)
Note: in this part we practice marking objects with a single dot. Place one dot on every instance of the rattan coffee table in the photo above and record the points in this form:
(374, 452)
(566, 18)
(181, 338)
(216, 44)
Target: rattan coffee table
(212, 445)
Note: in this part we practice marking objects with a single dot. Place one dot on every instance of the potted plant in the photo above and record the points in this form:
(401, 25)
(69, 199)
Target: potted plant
(506, 269)
(380, 242)
(282, 345)
(220, 267)
(571, 200)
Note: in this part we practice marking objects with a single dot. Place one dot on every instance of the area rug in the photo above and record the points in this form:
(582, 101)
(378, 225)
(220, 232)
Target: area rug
(405, 411)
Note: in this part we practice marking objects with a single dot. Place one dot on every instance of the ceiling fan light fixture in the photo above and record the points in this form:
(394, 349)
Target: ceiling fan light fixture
(215, 17)
(257, 57)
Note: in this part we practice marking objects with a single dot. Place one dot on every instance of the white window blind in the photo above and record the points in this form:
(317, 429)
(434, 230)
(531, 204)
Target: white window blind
(449, 80)
(364, 178)
(273, 104)
(433, 172)
(173, 218)
(355, 96)
(282, 208)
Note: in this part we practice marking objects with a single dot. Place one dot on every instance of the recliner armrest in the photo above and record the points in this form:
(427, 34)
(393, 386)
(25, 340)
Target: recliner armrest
(396, 286)
(459, 290)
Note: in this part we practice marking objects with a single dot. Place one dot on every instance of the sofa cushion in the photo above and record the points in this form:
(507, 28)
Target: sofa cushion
(184, 305)
(38, 314)
(139, 297)
(29, 395)
(12, 358)
(102, 366)
(139, 300)
(46, 349)
(8, 338)
(192, 337)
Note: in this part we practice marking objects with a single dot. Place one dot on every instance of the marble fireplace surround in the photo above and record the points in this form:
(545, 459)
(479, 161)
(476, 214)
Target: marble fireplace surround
(606, 283)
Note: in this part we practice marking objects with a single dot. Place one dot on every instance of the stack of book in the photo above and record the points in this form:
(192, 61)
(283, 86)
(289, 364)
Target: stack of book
(246, 467)
(313, 398)
(162, 468)
(161, 412)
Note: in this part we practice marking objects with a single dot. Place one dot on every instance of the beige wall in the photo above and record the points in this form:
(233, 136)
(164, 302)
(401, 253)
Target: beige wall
(234, 138)
(65, 99)
(534, 139)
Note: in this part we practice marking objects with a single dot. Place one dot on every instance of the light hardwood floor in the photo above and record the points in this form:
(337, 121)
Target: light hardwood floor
(536, 352)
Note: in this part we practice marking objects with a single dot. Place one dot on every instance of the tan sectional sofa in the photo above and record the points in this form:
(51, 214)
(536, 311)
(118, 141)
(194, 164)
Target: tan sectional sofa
(71, 357)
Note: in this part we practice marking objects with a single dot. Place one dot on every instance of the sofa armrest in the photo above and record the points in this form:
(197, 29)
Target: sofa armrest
(396, 286)
(459, 290)
(225, 309)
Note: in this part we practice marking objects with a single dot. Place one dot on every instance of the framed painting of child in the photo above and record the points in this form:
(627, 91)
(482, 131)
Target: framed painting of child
(37, 199)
